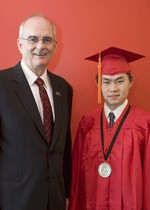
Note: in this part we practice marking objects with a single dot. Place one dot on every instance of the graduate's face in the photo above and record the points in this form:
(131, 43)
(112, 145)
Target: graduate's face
(37, 55)
(115, 89)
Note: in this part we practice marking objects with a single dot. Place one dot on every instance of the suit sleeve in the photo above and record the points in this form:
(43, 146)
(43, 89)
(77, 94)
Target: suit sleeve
(68, 148)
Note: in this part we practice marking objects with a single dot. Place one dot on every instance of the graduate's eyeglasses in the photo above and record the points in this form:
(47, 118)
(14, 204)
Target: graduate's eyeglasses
(47, 40)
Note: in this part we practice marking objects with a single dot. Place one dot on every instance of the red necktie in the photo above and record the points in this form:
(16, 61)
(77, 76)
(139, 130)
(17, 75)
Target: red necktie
(47, 110)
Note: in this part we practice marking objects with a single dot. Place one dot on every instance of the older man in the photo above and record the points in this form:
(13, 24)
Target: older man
(35, 112)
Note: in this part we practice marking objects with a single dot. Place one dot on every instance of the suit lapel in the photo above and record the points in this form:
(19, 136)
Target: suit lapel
(25, 95)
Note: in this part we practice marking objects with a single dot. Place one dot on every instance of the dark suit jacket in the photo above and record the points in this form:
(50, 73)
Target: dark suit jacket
(32, 172)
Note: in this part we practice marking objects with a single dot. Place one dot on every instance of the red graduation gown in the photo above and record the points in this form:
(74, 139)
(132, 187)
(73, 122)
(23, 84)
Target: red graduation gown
(128, 186)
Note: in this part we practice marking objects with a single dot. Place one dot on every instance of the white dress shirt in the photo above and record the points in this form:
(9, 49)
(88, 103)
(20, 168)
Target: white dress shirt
(117, 112)
(31, 77)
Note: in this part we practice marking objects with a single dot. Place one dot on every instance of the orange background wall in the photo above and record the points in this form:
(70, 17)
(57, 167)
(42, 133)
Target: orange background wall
(85, 27)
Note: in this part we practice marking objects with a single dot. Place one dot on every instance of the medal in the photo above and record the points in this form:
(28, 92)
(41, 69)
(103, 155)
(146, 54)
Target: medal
(104, 170)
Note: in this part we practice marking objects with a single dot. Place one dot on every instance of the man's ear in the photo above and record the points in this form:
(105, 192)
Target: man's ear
(132, 80)
(19, 44)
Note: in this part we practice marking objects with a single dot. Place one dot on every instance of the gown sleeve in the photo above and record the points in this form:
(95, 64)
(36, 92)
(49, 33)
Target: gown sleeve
(77, 196)
(146, 171)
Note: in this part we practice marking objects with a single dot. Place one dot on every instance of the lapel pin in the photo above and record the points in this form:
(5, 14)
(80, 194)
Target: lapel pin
(58, 93)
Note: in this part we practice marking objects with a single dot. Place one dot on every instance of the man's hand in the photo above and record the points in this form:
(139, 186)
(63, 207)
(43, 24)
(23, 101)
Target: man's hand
(67, 203)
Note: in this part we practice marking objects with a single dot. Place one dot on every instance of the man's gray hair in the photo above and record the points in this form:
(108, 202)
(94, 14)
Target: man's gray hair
(21, 29)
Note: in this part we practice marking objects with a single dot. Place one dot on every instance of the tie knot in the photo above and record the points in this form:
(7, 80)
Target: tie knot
(111, 119)
(39, 81)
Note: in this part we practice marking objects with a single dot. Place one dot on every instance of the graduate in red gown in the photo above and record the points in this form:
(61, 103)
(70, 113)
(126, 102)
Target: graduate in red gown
(111, 157)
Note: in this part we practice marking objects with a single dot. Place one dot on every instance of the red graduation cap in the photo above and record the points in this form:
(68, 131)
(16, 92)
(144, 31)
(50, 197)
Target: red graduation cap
(113, 61)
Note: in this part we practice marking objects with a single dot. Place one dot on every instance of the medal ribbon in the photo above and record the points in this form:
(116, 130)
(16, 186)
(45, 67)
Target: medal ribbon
(115, 131)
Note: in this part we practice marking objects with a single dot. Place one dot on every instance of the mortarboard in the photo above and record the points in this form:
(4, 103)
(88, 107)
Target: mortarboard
(113, 61)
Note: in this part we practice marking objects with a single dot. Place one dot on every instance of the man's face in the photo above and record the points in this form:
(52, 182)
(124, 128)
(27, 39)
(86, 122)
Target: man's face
(115, 89)
(38, 55)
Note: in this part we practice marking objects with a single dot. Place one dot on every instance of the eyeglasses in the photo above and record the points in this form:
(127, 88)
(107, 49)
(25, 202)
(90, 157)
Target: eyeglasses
(35, 39)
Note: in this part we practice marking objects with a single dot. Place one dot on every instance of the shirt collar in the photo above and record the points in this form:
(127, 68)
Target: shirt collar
(117, 112)
(31, 76)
